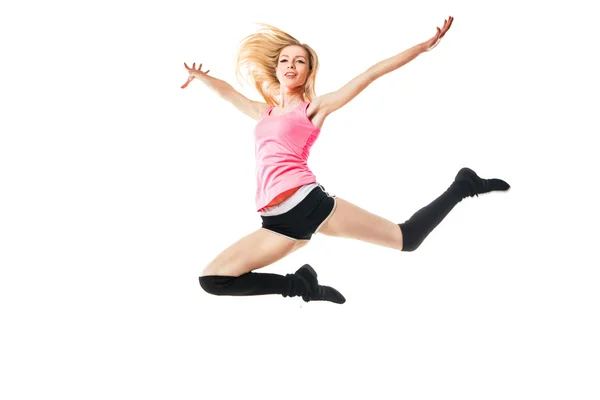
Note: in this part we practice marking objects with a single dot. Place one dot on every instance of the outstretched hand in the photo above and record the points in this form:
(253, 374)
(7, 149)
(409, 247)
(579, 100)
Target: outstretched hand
(193, 73)
(434, 41)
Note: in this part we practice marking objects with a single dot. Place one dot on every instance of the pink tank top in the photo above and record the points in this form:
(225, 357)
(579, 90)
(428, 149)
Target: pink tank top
(282, 147)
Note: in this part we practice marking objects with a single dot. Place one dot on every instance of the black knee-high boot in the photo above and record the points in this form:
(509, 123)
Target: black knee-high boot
(301, 283)
(466, 183)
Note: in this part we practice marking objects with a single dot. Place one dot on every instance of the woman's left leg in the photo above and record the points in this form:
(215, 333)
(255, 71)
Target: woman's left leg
(350, 221)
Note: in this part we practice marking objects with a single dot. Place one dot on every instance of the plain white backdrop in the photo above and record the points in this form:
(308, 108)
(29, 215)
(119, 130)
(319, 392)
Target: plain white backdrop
(117, 188)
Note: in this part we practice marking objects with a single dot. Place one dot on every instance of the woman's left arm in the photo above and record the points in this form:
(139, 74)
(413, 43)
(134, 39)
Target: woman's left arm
(333, 101)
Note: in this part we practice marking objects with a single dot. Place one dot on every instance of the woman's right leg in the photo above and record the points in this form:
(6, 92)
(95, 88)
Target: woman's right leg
(230, 273)
(256, 250)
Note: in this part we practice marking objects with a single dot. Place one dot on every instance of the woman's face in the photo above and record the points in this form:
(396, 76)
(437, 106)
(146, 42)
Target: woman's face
(292, 67)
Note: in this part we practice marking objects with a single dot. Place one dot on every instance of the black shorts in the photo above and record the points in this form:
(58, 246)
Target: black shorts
(302, 221)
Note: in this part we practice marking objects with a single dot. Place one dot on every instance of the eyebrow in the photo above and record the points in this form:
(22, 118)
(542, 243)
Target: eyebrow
(285, 55)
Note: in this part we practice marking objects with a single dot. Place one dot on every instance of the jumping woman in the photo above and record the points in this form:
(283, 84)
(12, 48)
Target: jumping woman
(293, 205)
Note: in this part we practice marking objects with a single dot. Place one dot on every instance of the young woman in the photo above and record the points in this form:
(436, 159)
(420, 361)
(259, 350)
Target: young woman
(292, 204)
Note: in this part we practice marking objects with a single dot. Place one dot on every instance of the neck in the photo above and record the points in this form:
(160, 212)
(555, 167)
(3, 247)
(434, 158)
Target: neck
(288, 99)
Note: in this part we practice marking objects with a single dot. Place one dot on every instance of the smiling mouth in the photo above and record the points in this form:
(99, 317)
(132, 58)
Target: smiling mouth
(290, 75)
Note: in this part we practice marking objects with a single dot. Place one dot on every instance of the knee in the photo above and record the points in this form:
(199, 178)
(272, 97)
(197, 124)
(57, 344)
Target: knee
(408, 247)
(406, 244)
(215, 284)
(217, 278)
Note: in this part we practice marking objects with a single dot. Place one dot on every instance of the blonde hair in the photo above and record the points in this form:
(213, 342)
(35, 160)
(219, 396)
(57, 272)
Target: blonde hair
(257, 57)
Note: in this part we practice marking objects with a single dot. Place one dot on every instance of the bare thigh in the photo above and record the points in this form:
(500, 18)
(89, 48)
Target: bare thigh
(352, 222)
(256, 250)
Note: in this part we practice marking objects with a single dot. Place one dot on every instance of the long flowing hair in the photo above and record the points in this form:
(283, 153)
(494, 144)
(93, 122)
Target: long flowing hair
(256, 61)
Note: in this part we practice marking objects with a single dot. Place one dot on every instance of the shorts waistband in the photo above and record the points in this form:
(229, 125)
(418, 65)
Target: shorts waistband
(290, 202)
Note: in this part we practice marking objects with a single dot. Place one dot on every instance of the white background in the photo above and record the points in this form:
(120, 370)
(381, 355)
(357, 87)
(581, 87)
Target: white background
(117, 188)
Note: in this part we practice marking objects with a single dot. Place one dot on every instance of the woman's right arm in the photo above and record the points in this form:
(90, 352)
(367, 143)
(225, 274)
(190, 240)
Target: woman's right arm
(253, 109)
